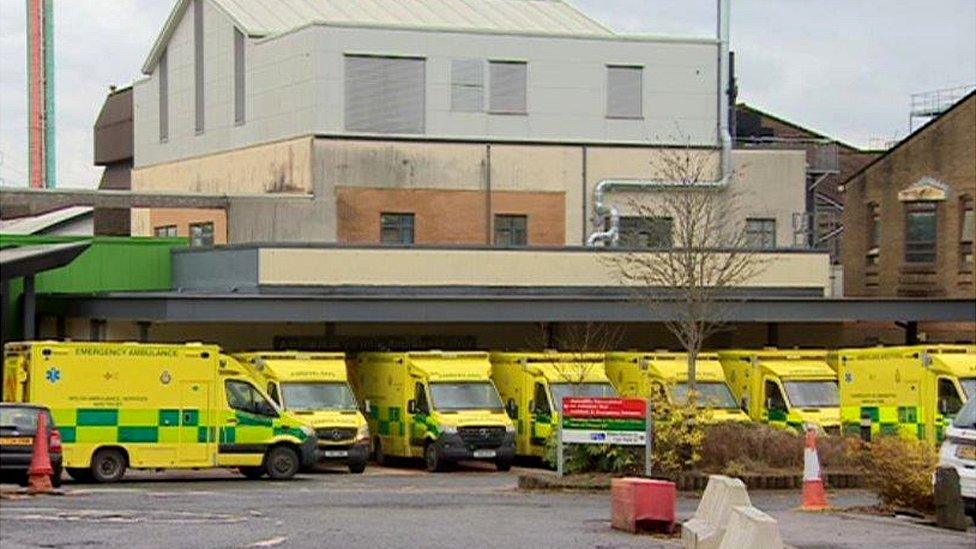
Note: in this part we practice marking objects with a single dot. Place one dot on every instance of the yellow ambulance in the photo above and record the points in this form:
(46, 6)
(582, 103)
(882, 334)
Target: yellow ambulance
(532, 386)
(315, 387)
(155, 406)
(665, 373)
(788, 388)
(912, 391)
(439, 406)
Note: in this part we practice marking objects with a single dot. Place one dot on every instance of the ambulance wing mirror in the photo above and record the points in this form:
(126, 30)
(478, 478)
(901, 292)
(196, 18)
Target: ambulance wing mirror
(411, 406)
(367, 407)
(512, 408)
(944, 406)
(744, 404)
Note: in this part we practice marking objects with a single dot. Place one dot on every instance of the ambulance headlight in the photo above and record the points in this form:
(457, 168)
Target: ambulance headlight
(307, 430)
(510, 429)
(449, 429)
(362, 433)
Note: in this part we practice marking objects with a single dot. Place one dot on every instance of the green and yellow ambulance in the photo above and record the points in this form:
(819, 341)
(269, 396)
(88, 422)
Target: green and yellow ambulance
(315, 387)
(439, 406)
(533, 385)
(125, 406)
(910, 391)
(664, 374)
(792, 388)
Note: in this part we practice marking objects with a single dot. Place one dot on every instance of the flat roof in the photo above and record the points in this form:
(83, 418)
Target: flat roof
(473, 305)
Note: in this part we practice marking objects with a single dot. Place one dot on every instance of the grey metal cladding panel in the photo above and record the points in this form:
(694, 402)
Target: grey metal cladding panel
(198, 60)
(507, 81)
(385, 94)
(467, 85)
(163, 71)
(624, 92)
(216, 270)
(239, 76)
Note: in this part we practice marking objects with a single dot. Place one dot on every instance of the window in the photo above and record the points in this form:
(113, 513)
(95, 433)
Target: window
(420, 399)
(396, 228)
(540, 401)
(761, 233)
(202, 234)
(949, 400)
(774, 397)
(511, 230)
(507, 81)
(242, 396)
(273, 392)
(163, 69)
(198, 62)
(874, 233)
(645, 232)
(385, 94)
(920, 232)
(239, 75)
(166, 231)
(467, 85)
(624, 92)
(967, 229)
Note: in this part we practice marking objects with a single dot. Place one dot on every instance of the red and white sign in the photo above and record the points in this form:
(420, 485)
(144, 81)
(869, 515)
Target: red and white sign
(609, 408)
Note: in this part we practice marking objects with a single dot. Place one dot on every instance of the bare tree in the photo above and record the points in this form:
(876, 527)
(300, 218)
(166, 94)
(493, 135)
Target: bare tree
(700, 249)
(577, 345)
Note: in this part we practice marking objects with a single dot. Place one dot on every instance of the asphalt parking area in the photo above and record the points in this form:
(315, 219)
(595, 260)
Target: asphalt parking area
(472, 506)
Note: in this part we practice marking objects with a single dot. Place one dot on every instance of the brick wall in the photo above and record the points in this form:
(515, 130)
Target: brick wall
(448, 216)
(945, 150)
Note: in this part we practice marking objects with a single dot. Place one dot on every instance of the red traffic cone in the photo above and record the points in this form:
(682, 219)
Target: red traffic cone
(40, 468)
(814, 495)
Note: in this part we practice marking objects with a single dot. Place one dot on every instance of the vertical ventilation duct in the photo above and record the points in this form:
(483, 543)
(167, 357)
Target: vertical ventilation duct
(611, 236)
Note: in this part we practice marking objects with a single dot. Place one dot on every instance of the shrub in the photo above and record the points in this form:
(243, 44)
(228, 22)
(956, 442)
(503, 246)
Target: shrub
(899, 470)
(751, 447)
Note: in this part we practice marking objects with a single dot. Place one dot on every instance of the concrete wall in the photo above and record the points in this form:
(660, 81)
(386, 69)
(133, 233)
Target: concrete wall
(498, 268)
(295, 86)
(943, 150)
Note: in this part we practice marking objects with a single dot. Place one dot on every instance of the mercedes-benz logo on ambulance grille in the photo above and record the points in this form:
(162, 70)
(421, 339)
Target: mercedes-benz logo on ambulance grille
(483, 431)
(336, 434)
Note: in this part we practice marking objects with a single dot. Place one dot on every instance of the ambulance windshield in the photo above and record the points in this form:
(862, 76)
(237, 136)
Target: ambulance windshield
(813, 394)
(714, 394)
(479, 395)
(968, 386)
(317, 396)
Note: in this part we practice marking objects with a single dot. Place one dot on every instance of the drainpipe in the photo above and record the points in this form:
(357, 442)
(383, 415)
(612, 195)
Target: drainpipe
(611, 236)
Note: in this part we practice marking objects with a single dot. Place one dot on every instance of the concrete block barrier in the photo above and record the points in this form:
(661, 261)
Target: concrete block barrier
(706, 529)
(750, 528)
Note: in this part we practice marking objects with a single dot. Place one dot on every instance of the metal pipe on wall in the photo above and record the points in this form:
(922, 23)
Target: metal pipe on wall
(611, 235)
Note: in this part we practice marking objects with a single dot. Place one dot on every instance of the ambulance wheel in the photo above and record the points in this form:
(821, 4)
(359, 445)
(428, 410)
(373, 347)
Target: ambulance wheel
(281, 463)
(357, 467)
(378, 454)
(79, 474)
(108, 465)
(252, 473)
(432, 458)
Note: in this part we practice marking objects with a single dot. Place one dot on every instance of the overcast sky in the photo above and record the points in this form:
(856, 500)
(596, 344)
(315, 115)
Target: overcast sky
(843, 67)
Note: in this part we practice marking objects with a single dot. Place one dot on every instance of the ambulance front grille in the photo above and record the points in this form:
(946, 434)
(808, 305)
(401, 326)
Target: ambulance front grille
(482, 437)
(335, 434)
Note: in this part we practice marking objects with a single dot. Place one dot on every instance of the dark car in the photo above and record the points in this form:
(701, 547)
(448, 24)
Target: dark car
(18, 425)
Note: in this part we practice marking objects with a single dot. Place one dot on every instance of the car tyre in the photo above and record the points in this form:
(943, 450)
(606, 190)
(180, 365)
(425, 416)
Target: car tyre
(281, 463)
(378, 455)
(56, 477)
(252, 473)
(357, 467)
(432, 458)
(108, 465)
(503, 465)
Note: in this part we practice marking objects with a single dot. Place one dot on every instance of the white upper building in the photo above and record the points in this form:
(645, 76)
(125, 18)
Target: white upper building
(228, 74)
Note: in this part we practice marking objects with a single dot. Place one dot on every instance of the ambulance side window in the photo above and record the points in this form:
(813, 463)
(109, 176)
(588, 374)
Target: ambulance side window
(774, 397)
(949, 400)
(273, 392)
(541, 400)
(244, 397)
(420, 396)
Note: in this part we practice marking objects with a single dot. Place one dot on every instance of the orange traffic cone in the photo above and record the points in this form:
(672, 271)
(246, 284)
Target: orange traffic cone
(40, 468)
(814, 495)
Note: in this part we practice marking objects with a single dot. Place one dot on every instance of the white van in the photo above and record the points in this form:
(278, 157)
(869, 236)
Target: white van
(959, 451)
